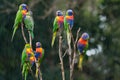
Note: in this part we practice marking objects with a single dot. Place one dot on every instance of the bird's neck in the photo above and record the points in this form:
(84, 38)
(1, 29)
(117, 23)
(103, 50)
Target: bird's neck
(70, 17)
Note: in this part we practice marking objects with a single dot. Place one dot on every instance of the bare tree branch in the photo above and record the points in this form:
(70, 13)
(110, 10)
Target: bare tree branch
(33, 3)
(9, 4)
(8, 8)
(23, 33)
(46, 13)
(40, 74)
(30, 38)
(72, 59)
(44, 3)
(65, 53)
(69, 35)
(61, 59)
(74, 54)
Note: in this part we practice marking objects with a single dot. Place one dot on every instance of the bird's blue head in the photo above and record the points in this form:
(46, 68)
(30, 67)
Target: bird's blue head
(85, 36)
(24, 7)
(59, 13)
(38, 44)
(70, 12)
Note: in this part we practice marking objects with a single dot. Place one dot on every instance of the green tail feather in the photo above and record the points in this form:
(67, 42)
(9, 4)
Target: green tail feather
(15, 28)
(53, 38)
(36, 74)
(37, 69)
(68, 38)
(26, 73)
(23, 70)
(32, 34)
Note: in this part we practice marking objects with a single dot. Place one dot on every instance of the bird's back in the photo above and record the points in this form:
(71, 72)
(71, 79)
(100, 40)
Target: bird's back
(29, 22)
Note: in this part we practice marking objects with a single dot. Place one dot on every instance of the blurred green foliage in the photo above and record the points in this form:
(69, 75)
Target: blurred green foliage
(100, 18)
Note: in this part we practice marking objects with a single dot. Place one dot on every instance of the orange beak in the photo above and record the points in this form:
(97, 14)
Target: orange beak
(24, 12)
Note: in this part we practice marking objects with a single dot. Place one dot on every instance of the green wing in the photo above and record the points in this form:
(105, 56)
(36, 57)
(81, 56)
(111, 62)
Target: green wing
(29, 23)
(18, 20)
(66, 27)
(85, 49)
(42, 56)
(24, 56)
(55, 25)
(65, 24)
(55, 28)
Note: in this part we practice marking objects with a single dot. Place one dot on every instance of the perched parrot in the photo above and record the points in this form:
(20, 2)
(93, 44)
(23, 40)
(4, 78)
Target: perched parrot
(39, 54)
(82, 46)
(68, 23)
(57, 25)
(19, 16)
(29, 23)
(27, 60)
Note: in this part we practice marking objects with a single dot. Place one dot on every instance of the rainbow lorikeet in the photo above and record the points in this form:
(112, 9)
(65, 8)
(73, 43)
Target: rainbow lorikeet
(57, 25)
(27, 60)
(68, 23)
(19, 16)
(82, 46)
(39, 54)
(29, 23)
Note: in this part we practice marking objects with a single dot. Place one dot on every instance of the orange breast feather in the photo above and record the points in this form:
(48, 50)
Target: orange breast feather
(69, 17)
(81, 41)
(28, 50)
(60, 18)
(39, 50)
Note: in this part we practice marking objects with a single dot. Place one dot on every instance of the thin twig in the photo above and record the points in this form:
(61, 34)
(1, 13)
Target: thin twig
(74, 55)
(40, 74)
(70, 52)
(23, 33)
(33, 3)
(65, 53)
(70, 60)
(30, 70)
(30, 38)
(61, 59)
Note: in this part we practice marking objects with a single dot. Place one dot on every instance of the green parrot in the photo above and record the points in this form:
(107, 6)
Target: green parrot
(57, 25)
(27, 60)
(39, 54)
(29, 23)
(19, 16)
(68, 24)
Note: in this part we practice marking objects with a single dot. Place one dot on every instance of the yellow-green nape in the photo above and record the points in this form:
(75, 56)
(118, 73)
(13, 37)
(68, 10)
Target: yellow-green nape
(20, 7)
(27, 45)
(29, 13)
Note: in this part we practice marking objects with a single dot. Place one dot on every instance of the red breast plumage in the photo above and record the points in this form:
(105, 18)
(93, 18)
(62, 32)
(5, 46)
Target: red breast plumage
(60, 18)
(81, 41)
(70, 17)
(39, 50)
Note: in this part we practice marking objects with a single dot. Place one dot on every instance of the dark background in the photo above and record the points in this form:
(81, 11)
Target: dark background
(100, 18)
